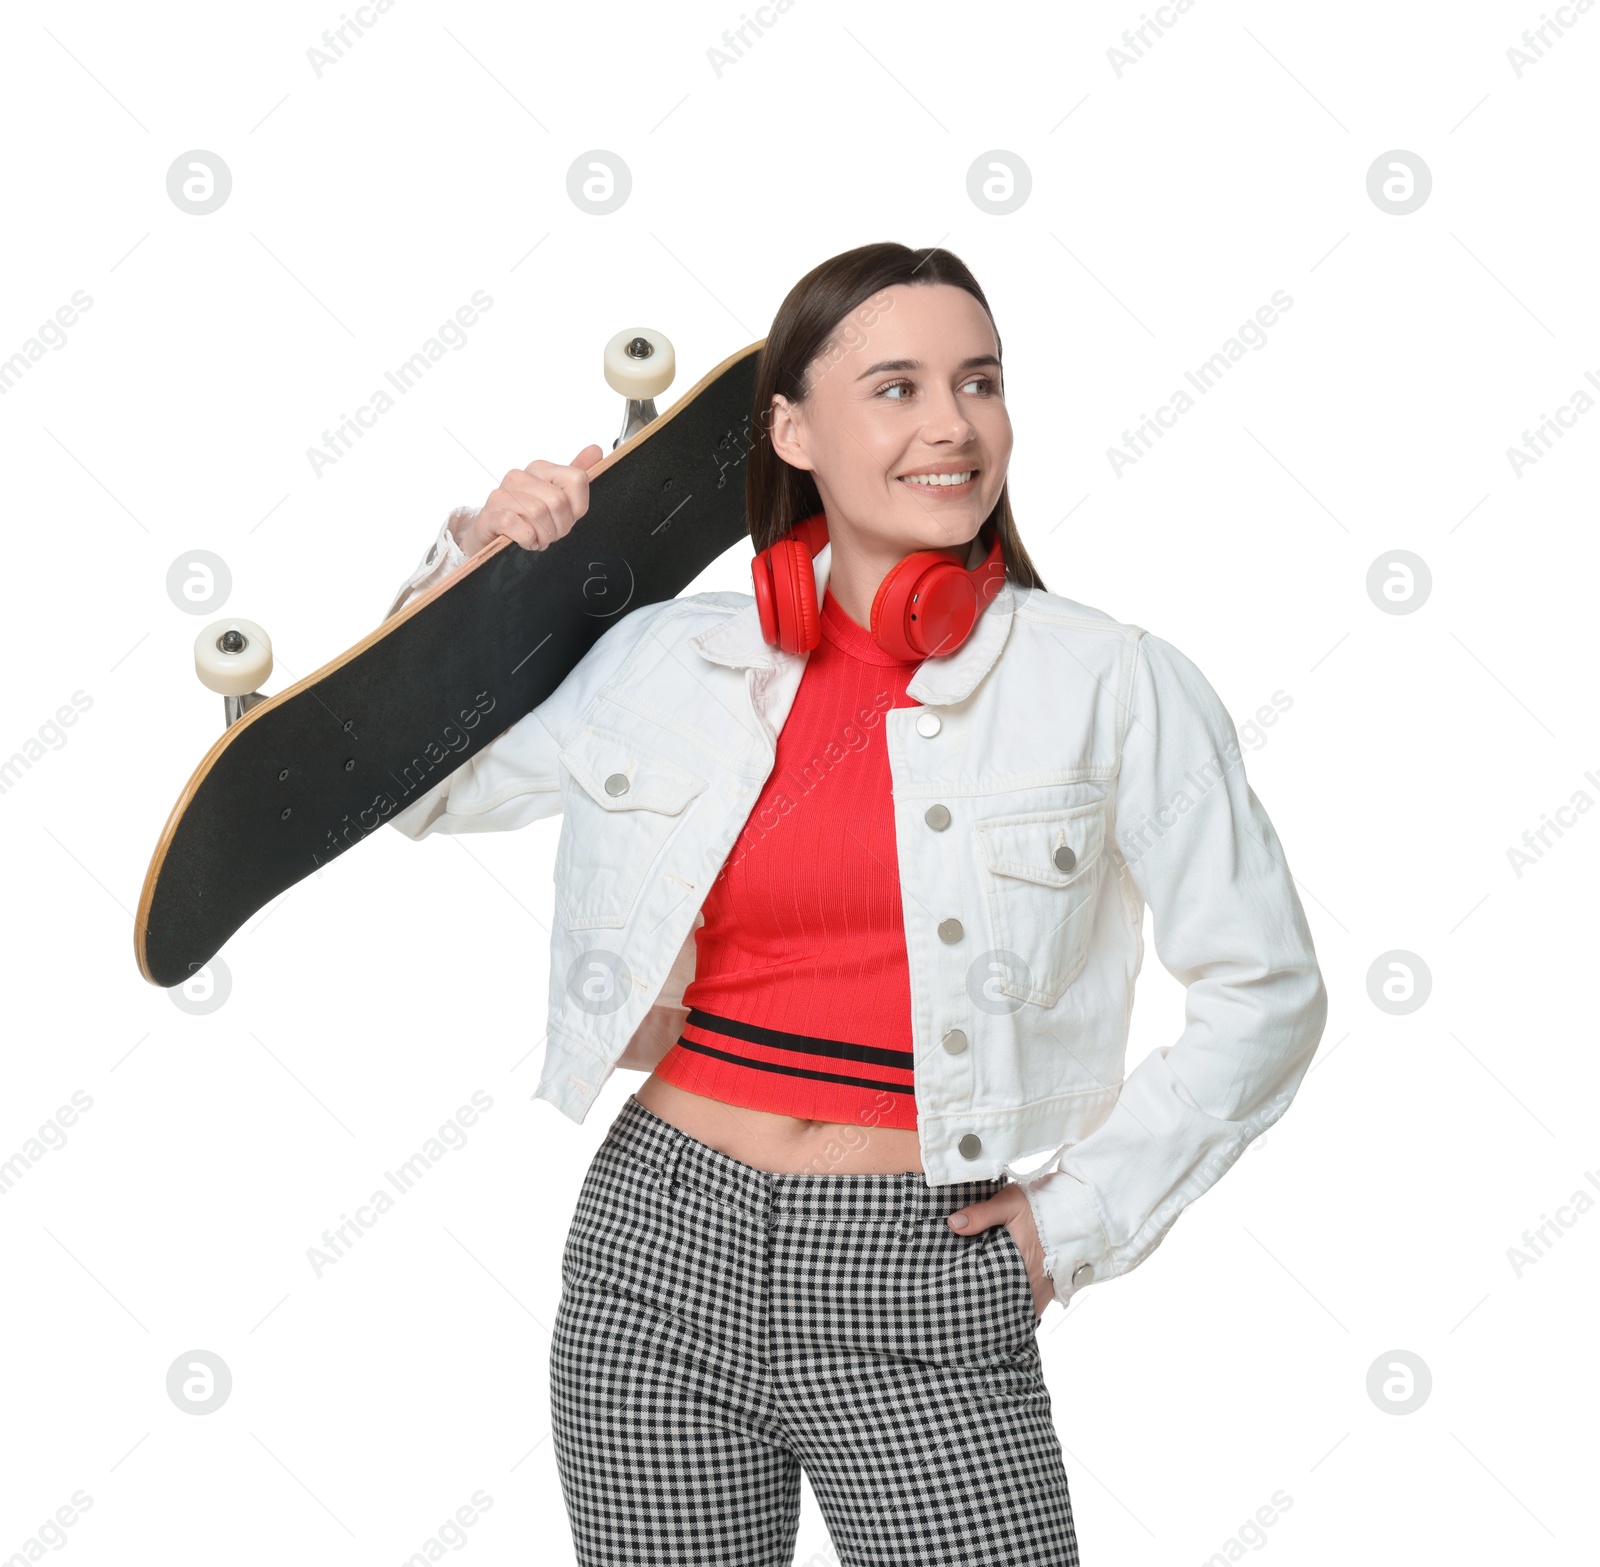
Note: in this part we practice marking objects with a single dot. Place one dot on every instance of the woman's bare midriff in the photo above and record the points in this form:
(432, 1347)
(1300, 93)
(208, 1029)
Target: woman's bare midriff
(783, 1144)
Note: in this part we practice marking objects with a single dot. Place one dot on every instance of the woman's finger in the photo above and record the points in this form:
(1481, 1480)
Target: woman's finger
(984, 1215)
(542, 501)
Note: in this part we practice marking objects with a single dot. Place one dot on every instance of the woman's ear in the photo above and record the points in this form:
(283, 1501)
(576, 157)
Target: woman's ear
(786, 432)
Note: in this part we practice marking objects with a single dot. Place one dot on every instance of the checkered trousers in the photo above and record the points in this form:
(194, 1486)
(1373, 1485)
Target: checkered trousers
(722, 1328)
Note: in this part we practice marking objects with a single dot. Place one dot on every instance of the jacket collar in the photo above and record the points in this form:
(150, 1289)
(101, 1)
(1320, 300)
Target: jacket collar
(737, 643)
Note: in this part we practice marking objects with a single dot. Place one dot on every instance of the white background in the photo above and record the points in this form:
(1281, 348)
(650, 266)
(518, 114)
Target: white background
(1168, 203)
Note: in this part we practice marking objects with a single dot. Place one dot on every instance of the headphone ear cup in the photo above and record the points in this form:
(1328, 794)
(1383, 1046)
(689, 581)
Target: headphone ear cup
(794, 596)
(912, 609)
(887, 617)
(786, 587)
(927, 605)
(761, 576)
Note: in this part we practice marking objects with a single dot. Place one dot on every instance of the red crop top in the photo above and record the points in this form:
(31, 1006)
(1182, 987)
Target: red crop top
(801, 1000)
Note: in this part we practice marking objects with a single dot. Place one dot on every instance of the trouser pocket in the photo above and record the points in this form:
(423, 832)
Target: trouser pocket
(1016, 1270)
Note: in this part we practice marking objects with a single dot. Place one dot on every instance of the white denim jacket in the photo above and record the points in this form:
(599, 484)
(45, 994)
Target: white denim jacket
(1063, 770)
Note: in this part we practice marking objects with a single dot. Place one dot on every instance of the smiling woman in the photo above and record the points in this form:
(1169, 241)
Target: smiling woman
(840, 869)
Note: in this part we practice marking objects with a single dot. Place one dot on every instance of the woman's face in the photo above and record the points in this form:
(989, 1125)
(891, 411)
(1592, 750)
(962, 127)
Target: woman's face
(909, 383)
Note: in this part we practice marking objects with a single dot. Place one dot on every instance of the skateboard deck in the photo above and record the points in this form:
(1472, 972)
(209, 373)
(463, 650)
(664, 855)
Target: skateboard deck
(307, 774)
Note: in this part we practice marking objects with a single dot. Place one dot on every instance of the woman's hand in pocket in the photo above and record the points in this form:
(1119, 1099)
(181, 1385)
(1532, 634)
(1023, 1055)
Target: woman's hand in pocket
(1010, 1208)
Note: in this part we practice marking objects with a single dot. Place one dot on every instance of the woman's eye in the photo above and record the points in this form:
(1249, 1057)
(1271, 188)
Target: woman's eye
(982, 381)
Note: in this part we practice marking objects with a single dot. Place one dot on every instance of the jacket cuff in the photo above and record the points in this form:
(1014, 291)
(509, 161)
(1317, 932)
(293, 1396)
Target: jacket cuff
(1077, 1251)
(443, 556)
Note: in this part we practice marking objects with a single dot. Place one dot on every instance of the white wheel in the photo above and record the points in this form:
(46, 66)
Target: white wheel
(640, 375)
(233, 657)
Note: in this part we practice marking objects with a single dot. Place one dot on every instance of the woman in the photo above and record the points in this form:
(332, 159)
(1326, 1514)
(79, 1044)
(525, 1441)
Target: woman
(799, 1245)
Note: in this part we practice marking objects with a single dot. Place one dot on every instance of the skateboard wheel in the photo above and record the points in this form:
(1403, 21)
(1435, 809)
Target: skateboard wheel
(233, 657)
(639, 374)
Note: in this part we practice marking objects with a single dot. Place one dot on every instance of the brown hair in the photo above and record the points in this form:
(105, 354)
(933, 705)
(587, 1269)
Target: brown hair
(806, 325)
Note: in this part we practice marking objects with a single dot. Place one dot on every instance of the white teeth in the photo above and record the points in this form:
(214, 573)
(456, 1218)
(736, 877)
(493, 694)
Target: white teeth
(937, 478)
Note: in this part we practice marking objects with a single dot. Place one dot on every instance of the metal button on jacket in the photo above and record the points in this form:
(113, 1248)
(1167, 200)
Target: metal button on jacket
(1082, 1274)
(617, 783)
(955, 1041)
(970, 1146)
(950, 930)
(937, 817)
(1065, 859)
(928, 724)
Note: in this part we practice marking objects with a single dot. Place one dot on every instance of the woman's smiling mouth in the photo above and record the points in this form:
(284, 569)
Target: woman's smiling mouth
(942, 480)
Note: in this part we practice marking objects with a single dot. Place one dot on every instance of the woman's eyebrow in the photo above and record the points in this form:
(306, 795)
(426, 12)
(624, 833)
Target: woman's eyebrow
(973, 363)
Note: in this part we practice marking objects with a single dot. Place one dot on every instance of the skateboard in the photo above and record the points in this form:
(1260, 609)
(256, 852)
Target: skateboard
(299, 778)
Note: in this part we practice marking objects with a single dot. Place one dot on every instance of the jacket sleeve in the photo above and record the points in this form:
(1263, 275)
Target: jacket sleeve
(442, 558)
(1228, 924)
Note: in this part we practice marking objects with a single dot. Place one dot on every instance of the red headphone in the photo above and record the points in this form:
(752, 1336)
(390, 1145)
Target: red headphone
(926, 605)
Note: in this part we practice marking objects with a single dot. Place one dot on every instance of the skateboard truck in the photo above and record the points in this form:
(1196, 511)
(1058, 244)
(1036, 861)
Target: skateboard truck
(640, 364)
(233, 657)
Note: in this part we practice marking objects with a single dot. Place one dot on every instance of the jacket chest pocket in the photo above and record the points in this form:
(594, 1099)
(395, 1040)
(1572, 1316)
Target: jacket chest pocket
(623, 802)
(1041, 871)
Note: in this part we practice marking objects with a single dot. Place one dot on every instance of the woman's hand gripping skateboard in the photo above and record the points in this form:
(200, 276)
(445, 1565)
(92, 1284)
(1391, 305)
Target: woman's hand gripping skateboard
(534, 506)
